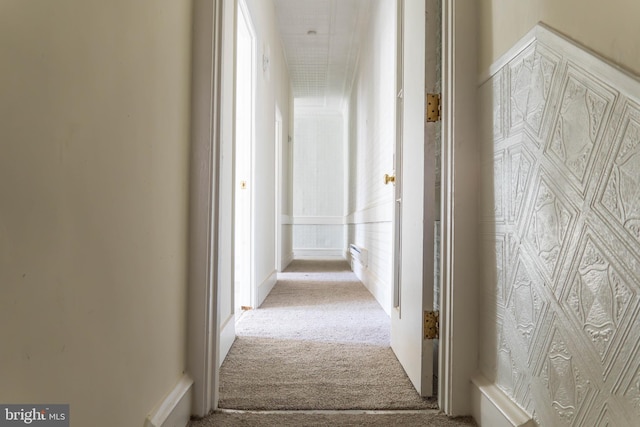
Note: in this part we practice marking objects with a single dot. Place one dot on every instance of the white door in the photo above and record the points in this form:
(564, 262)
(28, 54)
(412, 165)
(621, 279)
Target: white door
(243, 160)
(278, 192)
(416, 204)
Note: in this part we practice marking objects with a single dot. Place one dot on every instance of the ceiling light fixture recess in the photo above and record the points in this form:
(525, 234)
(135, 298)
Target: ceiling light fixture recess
(312, 32)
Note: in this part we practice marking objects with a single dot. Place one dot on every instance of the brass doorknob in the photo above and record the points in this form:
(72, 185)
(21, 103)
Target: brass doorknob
(389, 178)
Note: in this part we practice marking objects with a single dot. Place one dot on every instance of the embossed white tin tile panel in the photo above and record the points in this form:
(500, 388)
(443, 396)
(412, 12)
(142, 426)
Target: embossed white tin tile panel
(561, 233)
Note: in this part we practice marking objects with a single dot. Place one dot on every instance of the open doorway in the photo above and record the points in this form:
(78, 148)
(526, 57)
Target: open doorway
(278, 193)
(205, 320)
(243, 181)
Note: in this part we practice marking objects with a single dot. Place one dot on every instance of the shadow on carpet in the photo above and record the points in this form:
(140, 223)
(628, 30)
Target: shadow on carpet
(273, 374)
(320, 341)
(424, 418)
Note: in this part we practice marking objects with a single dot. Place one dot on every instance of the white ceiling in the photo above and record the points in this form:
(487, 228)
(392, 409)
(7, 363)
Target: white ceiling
(321, 65)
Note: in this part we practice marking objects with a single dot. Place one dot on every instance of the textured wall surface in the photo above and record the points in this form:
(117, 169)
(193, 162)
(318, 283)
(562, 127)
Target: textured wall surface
(561, 232)
(318, 181)
(371, 148)
(318, 172)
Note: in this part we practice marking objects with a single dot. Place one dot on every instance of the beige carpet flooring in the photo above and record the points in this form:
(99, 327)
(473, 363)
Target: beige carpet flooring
(317, 353)
(301, 419)
(319, 341)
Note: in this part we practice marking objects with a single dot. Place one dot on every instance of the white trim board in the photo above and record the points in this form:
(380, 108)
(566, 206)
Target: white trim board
(202, 326)
(265, 287)
(492, 407)
(458, 351)
(318, 253)
(287, 260)
(317, 111)
(378, 213)
(227, 337)
(175, 408)
(318, 220)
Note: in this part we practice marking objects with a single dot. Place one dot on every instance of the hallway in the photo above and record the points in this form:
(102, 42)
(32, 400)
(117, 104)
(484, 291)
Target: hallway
(116, 218)
(321, 148)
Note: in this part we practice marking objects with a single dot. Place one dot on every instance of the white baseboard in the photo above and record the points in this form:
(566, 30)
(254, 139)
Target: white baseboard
(227, 337)
(175, 409)
(331, 253)
(265, 287)
(493, 408)
(286, 261)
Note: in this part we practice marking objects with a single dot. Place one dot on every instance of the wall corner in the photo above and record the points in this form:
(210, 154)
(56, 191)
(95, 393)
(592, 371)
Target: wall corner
(492, 407)
(175, 409)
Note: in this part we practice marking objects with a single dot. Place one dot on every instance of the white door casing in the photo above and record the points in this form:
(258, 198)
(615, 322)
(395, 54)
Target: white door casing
(225, 177)
(458, 341)
(458, 357)
(203, 333)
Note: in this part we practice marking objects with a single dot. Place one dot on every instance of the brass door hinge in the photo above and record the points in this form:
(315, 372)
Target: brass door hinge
(433, 107)
(431, 325)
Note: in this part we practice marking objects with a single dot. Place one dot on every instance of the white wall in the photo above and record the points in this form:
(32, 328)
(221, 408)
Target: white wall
(318, 184)
(272, 88)
(607, 27)
(371, 124)
(94, 143)
(286, 189)
(560, 251)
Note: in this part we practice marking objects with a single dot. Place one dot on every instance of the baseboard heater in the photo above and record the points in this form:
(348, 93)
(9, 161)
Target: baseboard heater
(359, 254)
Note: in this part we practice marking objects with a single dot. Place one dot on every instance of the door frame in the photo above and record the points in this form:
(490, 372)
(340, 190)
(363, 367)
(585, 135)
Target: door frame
(278, 193)
(203, 337)
(459, 278)
(242, 8)
(458, 343)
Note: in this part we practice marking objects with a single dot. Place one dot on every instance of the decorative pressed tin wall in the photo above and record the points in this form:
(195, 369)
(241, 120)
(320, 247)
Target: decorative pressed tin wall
(561, 233)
